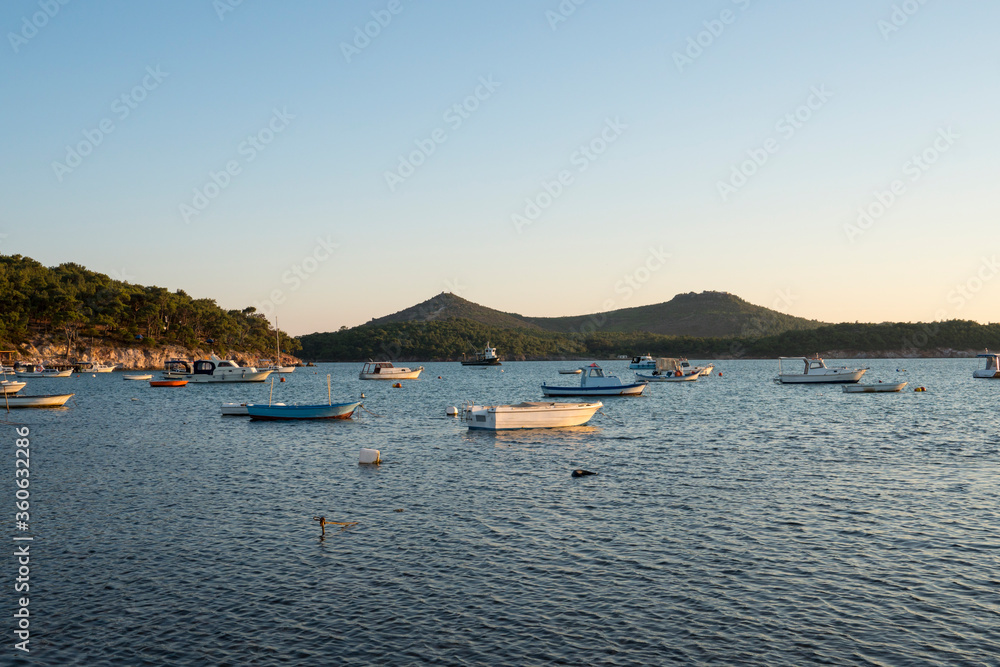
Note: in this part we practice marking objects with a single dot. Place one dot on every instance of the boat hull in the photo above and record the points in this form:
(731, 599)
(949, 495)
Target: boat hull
(36, 375)
(10, 387)
(137, 377)
(205, 378)
(49, 401)
(621, 390)
(690, 377)
(167, 383)
(287, 412)
(986, 374)
(530, 415)
(874, 388)
(830, 378)
(487, 362)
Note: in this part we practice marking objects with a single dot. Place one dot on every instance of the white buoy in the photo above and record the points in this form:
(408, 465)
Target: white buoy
(369, 456)
(452, 411)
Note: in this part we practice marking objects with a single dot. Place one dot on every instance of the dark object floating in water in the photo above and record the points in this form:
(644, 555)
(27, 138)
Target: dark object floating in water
(582, 473)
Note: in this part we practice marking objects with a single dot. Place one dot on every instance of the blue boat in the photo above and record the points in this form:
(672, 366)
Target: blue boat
(326, 411)
(594, 382)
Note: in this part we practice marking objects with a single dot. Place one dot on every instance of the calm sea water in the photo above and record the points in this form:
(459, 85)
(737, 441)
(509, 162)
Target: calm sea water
(733, 521)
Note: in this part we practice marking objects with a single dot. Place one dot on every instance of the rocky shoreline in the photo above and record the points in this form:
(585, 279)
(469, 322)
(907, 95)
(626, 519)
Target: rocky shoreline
(130, 358)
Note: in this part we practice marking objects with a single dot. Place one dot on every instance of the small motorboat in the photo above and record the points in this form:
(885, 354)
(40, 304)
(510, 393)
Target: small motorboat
(594, 382)
(11, 387)
(530, 414)
(48, 401)
(384, 370)
(212, 369)
(167, 383)
(642, 363)
(815, 371)
(40, 371)
(147, 376)
(572, 371)
(992, 369)
(700, 370)
(671, 369)
(874, 388)
(280, 411)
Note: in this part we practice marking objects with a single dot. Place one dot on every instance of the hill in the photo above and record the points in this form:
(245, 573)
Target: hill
(446, 306)
(709, 314)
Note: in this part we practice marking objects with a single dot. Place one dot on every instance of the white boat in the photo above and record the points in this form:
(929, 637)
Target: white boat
(992, 369)
(49, 401)
(594, 382)
(700, 370)
(10, 386)
(103, 368)
(874, 388)
(146, 376)
(815, 371)
(530, 414)
(212, 370)
(671, 369)
(572, 371)
(642, 363)
(40, 371)
(384, 370)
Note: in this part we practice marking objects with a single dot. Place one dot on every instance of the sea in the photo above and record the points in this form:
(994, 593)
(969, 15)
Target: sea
(732, 521)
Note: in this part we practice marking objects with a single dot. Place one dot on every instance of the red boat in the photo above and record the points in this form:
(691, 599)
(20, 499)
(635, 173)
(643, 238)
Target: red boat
(167, 383)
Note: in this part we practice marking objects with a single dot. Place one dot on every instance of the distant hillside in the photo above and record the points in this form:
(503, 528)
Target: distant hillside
(446, 306)
(709, 314)
(705, 315)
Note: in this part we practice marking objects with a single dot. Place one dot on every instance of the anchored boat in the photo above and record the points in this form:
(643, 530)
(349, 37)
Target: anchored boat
(384, 370)
(48, 401)
(874, 388)
(488, 357)
(642, 363)
(670, 369)
(530, 414)
(594, 382)
(212, 369)
(815, 371)
(992, 369)
(40, 371)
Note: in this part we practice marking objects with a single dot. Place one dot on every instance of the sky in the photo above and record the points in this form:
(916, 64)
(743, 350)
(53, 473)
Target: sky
(332, 162)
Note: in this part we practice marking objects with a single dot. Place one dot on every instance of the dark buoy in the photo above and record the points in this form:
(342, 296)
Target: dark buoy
(582, 473)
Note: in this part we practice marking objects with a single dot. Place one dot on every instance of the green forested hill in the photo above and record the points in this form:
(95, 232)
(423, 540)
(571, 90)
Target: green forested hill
(710, 314)
(450, 339)
(68, 301)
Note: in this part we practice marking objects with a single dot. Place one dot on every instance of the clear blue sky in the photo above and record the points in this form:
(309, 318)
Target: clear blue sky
(311, 121)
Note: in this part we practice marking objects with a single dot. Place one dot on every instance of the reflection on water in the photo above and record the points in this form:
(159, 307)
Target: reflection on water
(732, 520)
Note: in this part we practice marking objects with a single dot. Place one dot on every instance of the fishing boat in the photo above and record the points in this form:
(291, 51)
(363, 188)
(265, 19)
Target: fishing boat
(992, 369)
(146, 376)
(642, 363)
(874, 388)
(530, 414)
(595, 382)
(670, 369)
(571, 371)
(280, 411)
(488, 357)
(103, 368)
(11, 387)
(47, 401)
(167, 383)
(212, 369)
(815, 371)
(384, 370)
(40, 371)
